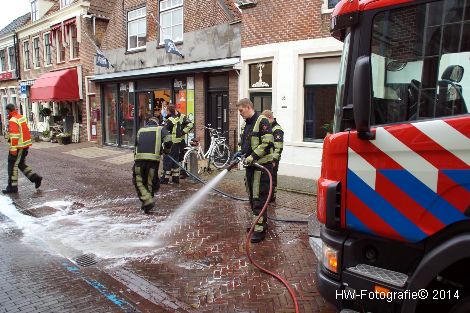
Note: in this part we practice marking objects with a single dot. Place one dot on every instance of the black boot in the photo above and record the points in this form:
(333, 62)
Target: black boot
(258, 236)
(37, 182)
(147, 208)
(164, 180)
(10, 189)
(175, 179)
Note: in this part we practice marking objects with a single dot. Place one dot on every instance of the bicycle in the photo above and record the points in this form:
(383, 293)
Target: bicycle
(217, 154)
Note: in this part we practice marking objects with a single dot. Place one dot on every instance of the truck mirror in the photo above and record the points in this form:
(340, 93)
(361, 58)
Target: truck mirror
(362, 97)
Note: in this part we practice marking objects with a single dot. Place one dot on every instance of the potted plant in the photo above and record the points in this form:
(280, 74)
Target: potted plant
(64, 138)
(46, 135)
(328, 127)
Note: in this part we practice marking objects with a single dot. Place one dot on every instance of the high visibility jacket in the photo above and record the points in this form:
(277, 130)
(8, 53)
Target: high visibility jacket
(19, 135)
(173, 125)
(150, 141)
(185, 123)
(257, 139)
(278, 134)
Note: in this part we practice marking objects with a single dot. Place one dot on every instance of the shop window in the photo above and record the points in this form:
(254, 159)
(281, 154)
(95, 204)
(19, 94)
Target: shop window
(27, 65)
(137, 29)
(37, 62)
(3, 66)
(321, 77)
(12, 58)
(75, 45)
(60, 48)
(47, 49)
(171, 20)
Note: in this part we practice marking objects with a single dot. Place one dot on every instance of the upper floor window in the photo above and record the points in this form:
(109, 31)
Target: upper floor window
(34, 10)
(75, 45)
(136, 29)
(3, 65)
(64, 3)
(12, 58)
(171, 20)
(36, 59)
(27, 66)
(60, 48)
(47, 49)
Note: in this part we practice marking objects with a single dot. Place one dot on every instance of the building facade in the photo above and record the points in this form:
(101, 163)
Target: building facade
(56, 50)
(9, 70)
(143, 78)
(290, 65)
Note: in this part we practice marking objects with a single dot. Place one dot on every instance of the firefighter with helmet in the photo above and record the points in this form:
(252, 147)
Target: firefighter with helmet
(152, 140)
(19, 138)
(256, 144)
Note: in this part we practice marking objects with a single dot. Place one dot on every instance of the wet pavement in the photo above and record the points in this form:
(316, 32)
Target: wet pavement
(87, 205)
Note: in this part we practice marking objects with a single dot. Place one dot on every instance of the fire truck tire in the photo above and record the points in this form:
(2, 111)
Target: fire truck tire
(463, 306)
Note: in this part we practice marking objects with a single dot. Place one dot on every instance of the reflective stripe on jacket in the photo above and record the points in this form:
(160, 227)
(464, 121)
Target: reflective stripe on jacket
(278, 134)
(259, 138)
(149, 143)
(20, 137)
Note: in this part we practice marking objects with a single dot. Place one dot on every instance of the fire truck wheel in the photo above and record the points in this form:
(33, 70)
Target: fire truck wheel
(463, 306)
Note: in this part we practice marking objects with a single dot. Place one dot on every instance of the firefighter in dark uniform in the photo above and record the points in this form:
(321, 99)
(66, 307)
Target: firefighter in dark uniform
(278, 134)
(256, 144)
(151, 140)
(19, 138)
(175, 127)
(187, 125)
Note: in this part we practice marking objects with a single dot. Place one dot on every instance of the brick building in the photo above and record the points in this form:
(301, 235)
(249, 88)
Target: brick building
(290, 65)
(9, 71)
(56, 49)
(143, 78)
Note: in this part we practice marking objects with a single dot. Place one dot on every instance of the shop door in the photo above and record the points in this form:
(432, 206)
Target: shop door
(217, 113)
(145, 107)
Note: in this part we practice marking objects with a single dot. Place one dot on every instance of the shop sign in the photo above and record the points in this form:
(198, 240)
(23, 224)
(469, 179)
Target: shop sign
(6, 75)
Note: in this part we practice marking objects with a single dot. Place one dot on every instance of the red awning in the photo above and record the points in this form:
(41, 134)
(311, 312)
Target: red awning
(56, 86)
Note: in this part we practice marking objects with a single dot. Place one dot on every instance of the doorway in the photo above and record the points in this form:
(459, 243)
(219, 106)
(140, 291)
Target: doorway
(217, 114)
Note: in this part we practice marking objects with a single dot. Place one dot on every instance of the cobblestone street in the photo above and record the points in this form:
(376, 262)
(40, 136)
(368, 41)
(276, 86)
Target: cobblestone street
(87, 205)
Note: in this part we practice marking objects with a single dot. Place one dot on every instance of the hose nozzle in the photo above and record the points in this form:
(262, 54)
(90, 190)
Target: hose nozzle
(234, 162)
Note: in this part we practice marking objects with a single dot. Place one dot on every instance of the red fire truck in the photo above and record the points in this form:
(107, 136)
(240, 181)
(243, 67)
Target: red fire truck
(394, 192)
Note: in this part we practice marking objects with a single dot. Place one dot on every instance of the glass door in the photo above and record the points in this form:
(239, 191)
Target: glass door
(110, 114)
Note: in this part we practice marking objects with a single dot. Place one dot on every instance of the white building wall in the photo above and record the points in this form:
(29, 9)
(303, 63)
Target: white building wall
(300, 159)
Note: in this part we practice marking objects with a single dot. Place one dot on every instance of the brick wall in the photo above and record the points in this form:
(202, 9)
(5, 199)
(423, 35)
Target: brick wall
(233, 112)
(279, 21)
(199, 106)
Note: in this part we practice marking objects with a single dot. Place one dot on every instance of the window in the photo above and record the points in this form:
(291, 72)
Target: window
(60, 49)
(332, 3)
(75, 46)
(419, 60)
(36, 59)
(3, 66)
(27, 65)
(64, 3)
(12, 58)
(137, 29)
(171, 20)
(34, 10)
(321, 78)
(260, 85)
(47, 49)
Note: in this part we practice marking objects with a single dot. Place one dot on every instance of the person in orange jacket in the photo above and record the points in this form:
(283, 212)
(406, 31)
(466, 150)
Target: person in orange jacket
(20, 141)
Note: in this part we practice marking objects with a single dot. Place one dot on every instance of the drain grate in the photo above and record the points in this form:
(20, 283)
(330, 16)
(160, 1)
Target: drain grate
(85, 260)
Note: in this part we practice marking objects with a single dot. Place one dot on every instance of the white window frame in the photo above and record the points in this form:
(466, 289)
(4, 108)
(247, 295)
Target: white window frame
(45, 50)
(28, 57)
(34, 10)
(34, 53)
(140, 15)
(59, 44)
(71, 56)
(10, 63)
(3, 65)
(65, 3)
(168, 7)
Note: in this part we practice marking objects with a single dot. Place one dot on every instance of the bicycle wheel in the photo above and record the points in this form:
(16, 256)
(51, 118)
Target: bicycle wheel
(191, 162)
(221, 155)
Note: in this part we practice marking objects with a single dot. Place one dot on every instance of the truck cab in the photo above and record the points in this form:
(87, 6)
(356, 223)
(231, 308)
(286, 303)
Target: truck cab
(393, 199)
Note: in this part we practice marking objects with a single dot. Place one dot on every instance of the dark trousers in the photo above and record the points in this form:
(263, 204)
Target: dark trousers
(145, 179)
(170, 168)
(257, 187)
(275, 169)
(16, 162)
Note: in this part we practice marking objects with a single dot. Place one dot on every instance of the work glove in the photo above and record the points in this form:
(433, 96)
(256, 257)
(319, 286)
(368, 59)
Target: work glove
(249, 160)
(237, 154)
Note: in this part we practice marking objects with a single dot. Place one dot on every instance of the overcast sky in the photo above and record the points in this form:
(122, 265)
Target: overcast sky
(11, 9)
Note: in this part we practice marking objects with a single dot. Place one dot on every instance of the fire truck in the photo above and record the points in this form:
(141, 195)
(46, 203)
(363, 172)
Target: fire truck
(393, 203)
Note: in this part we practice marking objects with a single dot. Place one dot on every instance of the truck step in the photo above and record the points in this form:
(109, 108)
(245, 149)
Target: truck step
(380, 274)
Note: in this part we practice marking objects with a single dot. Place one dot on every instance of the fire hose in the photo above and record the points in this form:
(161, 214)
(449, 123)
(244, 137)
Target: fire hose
(250, 232)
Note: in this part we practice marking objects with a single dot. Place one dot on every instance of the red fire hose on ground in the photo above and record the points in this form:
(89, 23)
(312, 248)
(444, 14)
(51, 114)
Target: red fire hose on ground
(248, 237)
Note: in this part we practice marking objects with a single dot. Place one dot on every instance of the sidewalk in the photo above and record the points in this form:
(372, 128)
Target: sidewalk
(199, 263)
